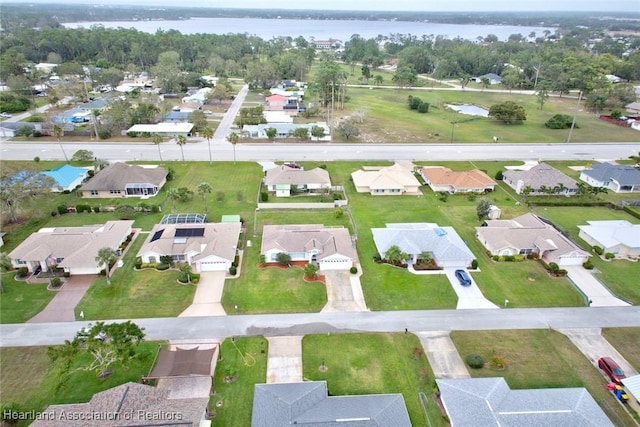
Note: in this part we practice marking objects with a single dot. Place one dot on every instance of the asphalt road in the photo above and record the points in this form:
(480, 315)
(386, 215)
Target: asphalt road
(193, 328)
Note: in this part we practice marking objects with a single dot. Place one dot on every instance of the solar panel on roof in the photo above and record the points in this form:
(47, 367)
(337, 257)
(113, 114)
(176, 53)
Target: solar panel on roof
(440, 231)
(189, 232)
(157, 235)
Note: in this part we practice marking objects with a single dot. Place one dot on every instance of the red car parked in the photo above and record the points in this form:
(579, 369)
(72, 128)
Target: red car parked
(612, 369)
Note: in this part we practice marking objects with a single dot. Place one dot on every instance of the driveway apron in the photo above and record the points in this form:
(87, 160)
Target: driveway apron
(592, 288)
(469, 297)
(61, 307)
(442, 354)
(344, 292)
(284, 364)
(206, 301)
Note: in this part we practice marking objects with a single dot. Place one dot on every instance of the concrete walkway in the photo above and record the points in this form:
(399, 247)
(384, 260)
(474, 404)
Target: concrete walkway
(62, 307)
(442, 354)
(344, 292)
(206, 301)
(284, 364)
(469, 297)
(592, 288)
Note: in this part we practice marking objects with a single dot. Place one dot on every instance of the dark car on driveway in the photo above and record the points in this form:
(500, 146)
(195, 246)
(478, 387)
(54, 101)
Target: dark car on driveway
(612, 369)
(463, 277)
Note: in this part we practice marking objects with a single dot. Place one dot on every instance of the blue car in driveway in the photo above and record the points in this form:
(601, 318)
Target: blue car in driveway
(463, 277)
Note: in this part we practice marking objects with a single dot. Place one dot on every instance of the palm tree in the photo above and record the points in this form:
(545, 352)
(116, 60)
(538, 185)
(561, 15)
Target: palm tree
(58, 132)
(157, 140)
(233, 139)
(203, 189)
(207, 132)
(99, 164)
(106, 256)
(560, 188)
(5, 265)
(181, 140)
(394, 255)
(173, 194)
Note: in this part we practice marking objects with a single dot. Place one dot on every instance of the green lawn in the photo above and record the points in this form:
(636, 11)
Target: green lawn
(625, 340)
(620, 276)
(29, 379)
(20, 300)
(136, 294)
(372, 364)
(539, 358)
(246, 361)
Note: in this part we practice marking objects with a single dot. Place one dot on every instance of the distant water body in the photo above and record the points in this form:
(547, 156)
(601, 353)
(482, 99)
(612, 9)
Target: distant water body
(319, 29)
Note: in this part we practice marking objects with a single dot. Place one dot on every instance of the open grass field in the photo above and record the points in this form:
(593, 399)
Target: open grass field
(390, 120)
(246, 361)
(136, 294)
(29, 379)
(399, 366)
(20, 300)
(539, 358)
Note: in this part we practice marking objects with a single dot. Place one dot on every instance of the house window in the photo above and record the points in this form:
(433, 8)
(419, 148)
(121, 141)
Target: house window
(525, 251)
(59, 260)
(180, 257)
(115, 191)
(94, 192)
(20, 262)
(152, 259)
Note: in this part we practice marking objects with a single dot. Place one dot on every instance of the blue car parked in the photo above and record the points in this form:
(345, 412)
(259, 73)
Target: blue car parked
(463, 278)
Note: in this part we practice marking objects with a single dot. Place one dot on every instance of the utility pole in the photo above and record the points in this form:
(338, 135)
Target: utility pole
(573, 122)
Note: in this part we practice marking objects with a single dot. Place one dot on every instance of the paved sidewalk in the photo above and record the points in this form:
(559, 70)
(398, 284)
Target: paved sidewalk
(344, 292)
(62, 307)
(442, 354)
(206, 301)
(284, 364)
(592, 288)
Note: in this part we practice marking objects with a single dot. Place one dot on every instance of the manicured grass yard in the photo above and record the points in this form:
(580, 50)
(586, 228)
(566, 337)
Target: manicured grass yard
(372, 364)
(246, 360)
(28, 378)
(20, 300)
(136, 294)
(538, 358)
(625, 340)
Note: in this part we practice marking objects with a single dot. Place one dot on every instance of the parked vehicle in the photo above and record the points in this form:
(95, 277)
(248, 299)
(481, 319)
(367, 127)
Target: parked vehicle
(463, 277)
(612, 369)
(5, 115)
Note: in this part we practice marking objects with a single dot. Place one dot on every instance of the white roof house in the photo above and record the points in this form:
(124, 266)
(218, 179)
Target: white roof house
(443, 243)
(618, 237)
(391, 180)
(282, 178)
(164, 129)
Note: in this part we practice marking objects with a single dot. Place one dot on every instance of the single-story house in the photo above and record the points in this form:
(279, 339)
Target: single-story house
(201, 96)
(618, 237)
(298, 93)
(443, 244)
(493, 78)
(308, 403)
(442, 179)
(6, 132)
(541, 176)
(282, 179)
(277, 116)
(67, 177)
(72, 248)
(73, 115)
(284, 130)
(617, 178)
(45, 67)
(177, 117)
(123, 180)
(163, 129)
(208, 246)
(129, 404)
(391, 180)
(528, 234)
(633, 107)
(275, 102)
(490, 402)
(331, 248)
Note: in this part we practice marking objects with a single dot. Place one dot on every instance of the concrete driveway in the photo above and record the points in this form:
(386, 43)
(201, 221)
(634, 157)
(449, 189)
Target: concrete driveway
(61, 307)
(206, 301)
(344, 292)
(284, 364)
(592, 288)
(442, 354)
(469, 297)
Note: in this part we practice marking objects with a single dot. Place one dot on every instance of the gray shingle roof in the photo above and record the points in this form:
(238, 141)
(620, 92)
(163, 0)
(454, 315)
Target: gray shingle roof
(285, 175)
(623, 174)
(539, 175)
(308, 404)
(305, 237)
(117, 175)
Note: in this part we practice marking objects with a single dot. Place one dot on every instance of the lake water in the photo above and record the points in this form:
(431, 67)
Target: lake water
(470, 110)
(319, 29)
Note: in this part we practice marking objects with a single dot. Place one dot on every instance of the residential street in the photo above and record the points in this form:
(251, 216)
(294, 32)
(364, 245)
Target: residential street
(193, 328)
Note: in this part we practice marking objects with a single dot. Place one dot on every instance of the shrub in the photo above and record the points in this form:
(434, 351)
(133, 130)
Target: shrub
(36, 159)
(443, 197)
(145, 135)
(66, 274)
(311, 271)
(518, 258)
(162, 267)
(495, 258)
(83, 208)
(497, 362)
(233, 270)
(337, 196)
(499, 175)
(283, 258)
(609, 255)
(62, 209)
(96, 209)
(474, 264)
(138, 263)
(22, 272)
(104, 134)
(559, 121)
(588, 265)
(472, 197)
(166, 259)
(509, 258)
(377, 258)
(598, 250)
(353, 270)
(423, 107)
(562, 272)
(475, 361)
(56, 282)
(264, 196)
(54, 213)
(553, 267)
(132, 134)
(263, 260)
(338, 213)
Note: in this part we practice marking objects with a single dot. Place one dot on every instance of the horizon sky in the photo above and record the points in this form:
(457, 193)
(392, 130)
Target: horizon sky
(373, 5)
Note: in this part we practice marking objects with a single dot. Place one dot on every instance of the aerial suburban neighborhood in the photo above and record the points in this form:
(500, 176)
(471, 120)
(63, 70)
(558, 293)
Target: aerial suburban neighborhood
(202, 227)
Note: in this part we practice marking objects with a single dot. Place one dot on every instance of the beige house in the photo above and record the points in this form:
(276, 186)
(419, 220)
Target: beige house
(330, 248)
(283, 179)
(391, 180)
(618, 237)
(528, 234)
(123, 180)
(208, 246)
(72, 248)
(442, 179)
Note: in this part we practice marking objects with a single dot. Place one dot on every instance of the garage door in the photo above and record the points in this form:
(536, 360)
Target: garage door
(212, 266)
